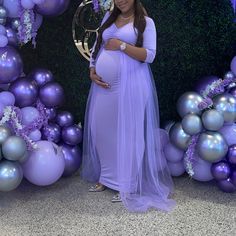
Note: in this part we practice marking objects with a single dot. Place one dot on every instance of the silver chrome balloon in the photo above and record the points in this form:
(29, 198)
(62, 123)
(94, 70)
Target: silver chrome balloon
(4, 134)
(211, 146)
(15, 23)
(226, 104)
(212, 120)
(13, 148)
(3, 12)
(188, 104)
(11, 175)
(229, 75)
(192, 124)
(178, 137)
(3, 21)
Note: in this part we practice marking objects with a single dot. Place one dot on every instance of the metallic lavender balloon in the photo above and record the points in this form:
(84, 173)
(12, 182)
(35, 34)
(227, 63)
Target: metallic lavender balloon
(52, 7)
(192, 124)
(227, 185)
(73, 159)
(178, 137)
(4, 134)
(51, 113)
(52, 132)
(202, 84)
(12, 37)
(25, 91)
(211, 146)
(220, 170)
(188, 103)
(226, 104)
(231, 155)
(64, 118)
(41, 76)
(10, 64)
(52, 94)
(72, 135)
(212, 120)
(229, 75)
(14, 148)
(11, 175)
(15, 23)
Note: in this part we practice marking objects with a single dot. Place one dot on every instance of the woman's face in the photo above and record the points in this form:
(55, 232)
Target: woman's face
(125, 5)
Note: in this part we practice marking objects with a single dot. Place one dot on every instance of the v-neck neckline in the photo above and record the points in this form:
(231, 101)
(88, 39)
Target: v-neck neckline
(122, 25)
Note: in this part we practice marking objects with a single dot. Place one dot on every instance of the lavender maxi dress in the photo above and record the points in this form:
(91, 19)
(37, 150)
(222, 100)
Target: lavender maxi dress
(122, 146)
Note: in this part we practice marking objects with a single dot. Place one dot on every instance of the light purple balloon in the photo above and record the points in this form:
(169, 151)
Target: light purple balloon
(45, 164)
(3, 41)
(233, 65)
(10, 65)
(73, 159)
(176, 169)
(13, 7)
(52, 132)
(52, 7)
(7, 98)
(51, 113)
(227, 186)
(229, 133)
(72, 135)
(27, 4)
(12, 37)
(25, 92)
(52, 94)
(64, 118)
(29, 115)
(41, 76)
(204, 82)
(220, 170)
(172, 153)
(35, 135)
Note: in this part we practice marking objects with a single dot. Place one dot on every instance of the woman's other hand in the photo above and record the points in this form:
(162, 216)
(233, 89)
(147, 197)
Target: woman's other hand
(96, 79)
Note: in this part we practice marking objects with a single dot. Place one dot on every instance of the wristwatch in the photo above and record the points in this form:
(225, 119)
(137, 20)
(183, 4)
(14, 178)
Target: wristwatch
(123, 46)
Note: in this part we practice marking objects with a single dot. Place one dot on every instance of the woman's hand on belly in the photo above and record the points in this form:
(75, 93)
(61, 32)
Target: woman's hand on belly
(96, 79)
(113, 44)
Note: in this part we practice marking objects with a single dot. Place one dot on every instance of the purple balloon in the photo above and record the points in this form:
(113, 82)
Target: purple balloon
(51, 113)
(72, 135)
(29, 115)
(45, 164)
(65, 118)
(229, 133)
(231, 155)
(25, 91)
(11, 65)
(52, 7)
(7, 98)
(41, 76)
(176, 169)
(233, 177)
(172, 153)
(35, 135)
(52, 94)
(52, 132)
(220, 170)
(73, 159)
(3, 40)
(227, 185)
(204, 82)
(233, 65)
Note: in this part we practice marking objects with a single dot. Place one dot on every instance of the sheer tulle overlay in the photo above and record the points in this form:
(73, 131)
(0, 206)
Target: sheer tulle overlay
(123, 144)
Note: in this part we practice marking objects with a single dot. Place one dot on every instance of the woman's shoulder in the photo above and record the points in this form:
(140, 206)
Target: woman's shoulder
(149, 20)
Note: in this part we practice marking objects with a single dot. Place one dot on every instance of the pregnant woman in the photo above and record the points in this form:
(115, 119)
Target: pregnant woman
(122, 147)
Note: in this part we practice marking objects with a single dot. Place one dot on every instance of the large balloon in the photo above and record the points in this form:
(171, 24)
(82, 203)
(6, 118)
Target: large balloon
(7, 98)
(52, 132)
(172, 153)
(52, 7)
(233, 65)
(13, 7)
(192, 124)
(212, 120)
(64, 118)
(226, 104)
(25, 92)
(10, 64)
(29, 115)
(45, 164)
(211, 146)
(178, 137)
(227, 185)
(177, 168)
(52, 94)
(202, 84)
(11, 175)
(72, 135)
(220, 170)
(73, 159)
(229, 133)
(41, 76)
(4, 133)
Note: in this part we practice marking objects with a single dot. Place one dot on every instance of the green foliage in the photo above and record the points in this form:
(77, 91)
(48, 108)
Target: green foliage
(195, 38)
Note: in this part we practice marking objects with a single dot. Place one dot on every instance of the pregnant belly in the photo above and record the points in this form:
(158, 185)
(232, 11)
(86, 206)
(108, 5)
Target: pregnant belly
(107, 66)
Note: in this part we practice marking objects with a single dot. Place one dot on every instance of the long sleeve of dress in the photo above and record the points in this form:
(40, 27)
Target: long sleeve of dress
(92, 61)
(149, 40)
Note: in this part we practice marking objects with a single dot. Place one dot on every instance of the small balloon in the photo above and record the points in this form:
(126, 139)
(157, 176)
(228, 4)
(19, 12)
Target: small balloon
(52, 132)
(29, 115)
(15, 23)
(51, 113)
(229, 75)
(12, 37)
(192, 124)
(7, 98)
(35, 135)
(227, 185)
(27, 4)
(220, 170)
(212, 120)
(5, 132)
(41, 76)
(72, 135)
(64, 118)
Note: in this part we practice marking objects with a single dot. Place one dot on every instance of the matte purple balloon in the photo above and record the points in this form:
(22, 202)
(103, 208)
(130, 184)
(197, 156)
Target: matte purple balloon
(204, 82)
(64, 118)
(73, 159)
(231, 155)
(52, 94)
(220, 170)
(25, 91)
(72, 135)
(51, 113)
(7, 98)
(52, 7)
(12, 36)
(41, 76)
(227, 185)
(11, 65)
(52, 132)
(172, 153)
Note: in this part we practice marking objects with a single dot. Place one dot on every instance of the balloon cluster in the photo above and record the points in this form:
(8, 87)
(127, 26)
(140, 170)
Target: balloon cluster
(203, 143)
(21, 19)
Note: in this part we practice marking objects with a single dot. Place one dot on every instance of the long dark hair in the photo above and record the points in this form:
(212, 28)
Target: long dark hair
(139, 24)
